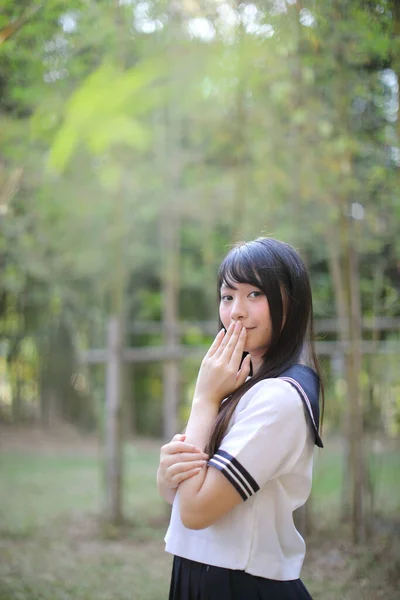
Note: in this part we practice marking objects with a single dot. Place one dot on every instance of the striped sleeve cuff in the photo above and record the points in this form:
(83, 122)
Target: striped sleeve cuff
(241, 479)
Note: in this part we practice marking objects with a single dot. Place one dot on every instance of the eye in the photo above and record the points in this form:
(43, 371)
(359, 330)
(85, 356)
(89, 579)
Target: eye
(226, 298)
(255, 294)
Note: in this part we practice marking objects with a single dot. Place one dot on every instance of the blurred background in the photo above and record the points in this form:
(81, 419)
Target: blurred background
(138, 141)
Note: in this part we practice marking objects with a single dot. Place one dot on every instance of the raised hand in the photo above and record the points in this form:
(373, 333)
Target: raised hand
(220, 372)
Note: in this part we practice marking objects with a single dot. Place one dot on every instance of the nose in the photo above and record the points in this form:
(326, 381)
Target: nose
(238, 312)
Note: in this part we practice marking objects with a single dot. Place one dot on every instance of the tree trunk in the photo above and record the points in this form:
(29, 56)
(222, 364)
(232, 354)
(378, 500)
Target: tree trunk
(170, 312)
(350, 331)
(113, 447)
(114, 375)
(357, 462)
(342, 313)
(17, 402)
(395, 6)
(172, 162)
(240, 124)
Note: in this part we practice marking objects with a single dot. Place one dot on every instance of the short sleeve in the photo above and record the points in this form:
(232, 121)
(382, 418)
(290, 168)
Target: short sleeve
(266, 439)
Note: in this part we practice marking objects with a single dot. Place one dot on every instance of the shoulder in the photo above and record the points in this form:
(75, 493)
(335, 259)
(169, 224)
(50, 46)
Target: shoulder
(273, 395)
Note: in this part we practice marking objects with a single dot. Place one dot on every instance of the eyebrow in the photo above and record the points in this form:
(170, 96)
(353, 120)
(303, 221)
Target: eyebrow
(228, 286)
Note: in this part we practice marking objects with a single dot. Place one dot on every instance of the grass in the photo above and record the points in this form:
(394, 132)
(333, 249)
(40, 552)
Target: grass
(53, 545)
(384, 471)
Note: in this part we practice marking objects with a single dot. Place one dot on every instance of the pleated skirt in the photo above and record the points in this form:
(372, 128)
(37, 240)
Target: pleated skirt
(196, 581)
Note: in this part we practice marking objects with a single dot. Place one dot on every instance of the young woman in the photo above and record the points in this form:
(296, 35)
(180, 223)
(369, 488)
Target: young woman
(245, 462)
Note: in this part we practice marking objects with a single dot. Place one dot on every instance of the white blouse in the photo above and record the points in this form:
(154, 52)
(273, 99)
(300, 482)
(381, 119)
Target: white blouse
(267, 455)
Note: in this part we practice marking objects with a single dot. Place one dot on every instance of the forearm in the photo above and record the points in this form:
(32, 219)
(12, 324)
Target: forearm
(201, 421)
(178, 461)
(166, 492)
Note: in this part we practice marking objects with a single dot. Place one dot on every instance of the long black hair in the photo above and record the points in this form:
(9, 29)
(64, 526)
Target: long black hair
(277, 270)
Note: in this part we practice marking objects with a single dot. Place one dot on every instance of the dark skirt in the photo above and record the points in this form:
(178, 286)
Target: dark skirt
(196, 581)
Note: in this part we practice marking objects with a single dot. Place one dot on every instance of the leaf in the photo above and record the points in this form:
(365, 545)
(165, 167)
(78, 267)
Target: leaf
(100, 113)
(63, 147)
(118, 130)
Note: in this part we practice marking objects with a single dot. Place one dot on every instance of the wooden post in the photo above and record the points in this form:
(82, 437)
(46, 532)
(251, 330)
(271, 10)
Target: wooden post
(359, 517)
(113, 462)
(114, 395)
(171, 336)
(171, 161)
(170, 405)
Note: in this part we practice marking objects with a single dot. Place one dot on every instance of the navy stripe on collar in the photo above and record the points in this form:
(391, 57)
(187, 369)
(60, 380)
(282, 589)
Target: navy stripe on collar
(306, 382)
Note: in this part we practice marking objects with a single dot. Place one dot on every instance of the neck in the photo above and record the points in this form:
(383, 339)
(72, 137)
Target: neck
(256, 362)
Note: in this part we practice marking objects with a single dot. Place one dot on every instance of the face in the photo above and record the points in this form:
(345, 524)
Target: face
(249, 305)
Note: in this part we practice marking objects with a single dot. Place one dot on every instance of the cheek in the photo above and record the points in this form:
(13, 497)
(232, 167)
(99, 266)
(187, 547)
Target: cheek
(264, 317)
(225, 315)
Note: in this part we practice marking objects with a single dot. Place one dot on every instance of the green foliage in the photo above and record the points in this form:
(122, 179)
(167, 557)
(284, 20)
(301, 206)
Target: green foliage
(101, 112)
(272, 123)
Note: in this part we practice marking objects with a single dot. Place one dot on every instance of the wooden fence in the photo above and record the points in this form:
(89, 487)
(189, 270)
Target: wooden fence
(115, 354)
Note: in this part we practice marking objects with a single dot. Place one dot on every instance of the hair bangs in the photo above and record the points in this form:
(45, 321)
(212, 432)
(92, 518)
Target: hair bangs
(238, 267)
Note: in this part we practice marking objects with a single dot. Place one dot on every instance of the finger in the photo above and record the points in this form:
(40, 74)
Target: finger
(231, 345)
(178, 437)
(225, 340)
(185, 458)
(179, 447)
(186, 475)
(244, 371)
(237, 352)
(216, 343)
(175, 447)
(185, 466)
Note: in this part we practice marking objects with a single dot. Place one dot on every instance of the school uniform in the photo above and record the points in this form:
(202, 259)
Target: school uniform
(254, 552)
